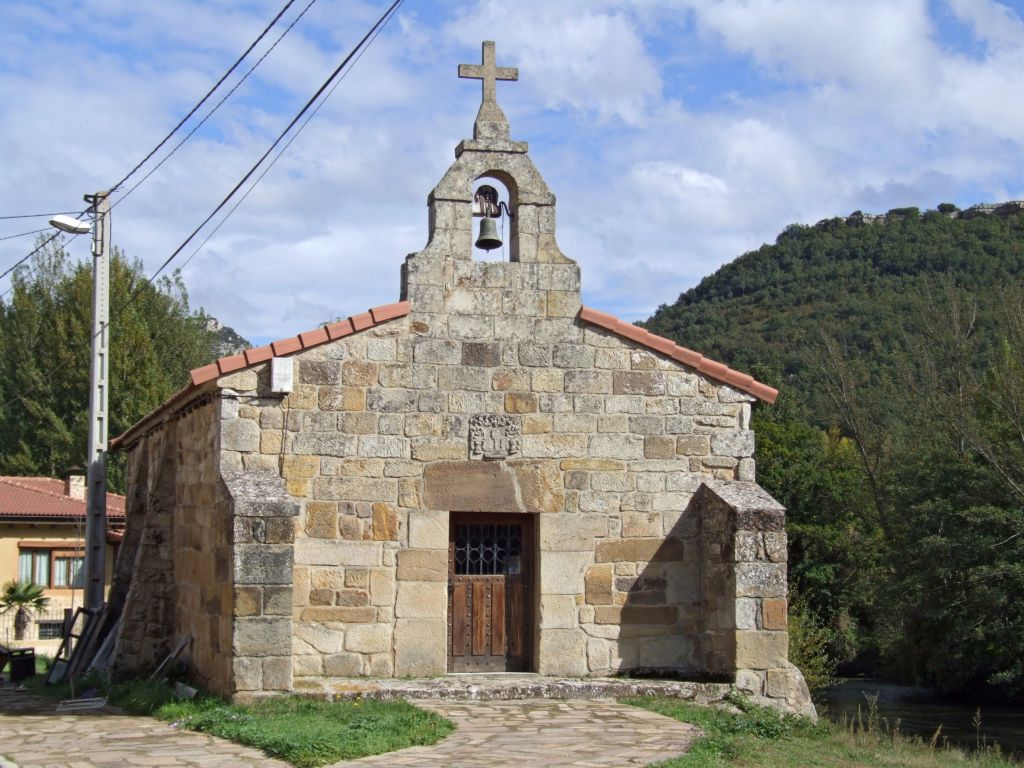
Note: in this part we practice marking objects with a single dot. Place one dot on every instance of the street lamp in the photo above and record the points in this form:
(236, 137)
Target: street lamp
(96, 482)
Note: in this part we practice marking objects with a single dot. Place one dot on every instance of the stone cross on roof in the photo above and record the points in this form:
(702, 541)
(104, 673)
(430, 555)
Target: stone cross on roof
(491, 122)
(488, 72)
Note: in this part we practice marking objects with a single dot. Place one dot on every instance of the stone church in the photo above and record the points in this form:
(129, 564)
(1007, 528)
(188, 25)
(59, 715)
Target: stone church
(484, 476)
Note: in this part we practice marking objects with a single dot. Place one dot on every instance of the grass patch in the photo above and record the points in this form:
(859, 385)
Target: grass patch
(304, 732)
(760, 737)
(308, 732)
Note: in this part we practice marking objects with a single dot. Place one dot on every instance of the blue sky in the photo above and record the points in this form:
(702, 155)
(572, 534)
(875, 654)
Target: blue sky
(676, 134)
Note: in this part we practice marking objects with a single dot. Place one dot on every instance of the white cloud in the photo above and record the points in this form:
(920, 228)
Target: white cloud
(835, 106)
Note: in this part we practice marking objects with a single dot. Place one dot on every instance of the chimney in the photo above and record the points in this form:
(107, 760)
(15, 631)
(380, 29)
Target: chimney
(74, 483)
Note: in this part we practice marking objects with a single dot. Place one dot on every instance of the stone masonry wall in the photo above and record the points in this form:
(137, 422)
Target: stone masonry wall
(179, 583)
(611, 441)
(744, 538)
(376, 450)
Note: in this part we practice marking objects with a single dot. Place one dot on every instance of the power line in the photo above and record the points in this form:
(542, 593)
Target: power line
(202, 101)
(380, 22)
(23, 234)
(285, 147)
(217, 106)
(116, 315)
(166, 138)
(34, 215)
(30, 254)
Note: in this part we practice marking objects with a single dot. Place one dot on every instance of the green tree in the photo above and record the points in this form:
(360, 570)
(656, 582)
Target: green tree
(45, 335)
(23, 597)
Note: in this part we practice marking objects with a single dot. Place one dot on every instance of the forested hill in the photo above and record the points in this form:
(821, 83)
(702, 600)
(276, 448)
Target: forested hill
(895, 445)
(860, 280)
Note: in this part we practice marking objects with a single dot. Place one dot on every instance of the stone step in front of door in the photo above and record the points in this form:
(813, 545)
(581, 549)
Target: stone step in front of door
(506, 687)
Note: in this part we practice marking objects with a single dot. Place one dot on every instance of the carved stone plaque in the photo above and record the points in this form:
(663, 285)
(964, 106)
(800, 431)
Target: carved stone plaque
(494, 437)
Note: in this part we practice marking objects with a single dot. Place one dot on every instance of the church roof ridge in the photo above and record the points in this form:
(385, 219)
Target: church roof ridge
(292, 344)
(280, 348)
(711, 368)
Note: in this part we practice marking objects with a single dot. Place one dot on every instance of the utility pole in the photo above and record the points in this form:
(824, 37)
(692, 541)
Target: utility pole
(96, 482)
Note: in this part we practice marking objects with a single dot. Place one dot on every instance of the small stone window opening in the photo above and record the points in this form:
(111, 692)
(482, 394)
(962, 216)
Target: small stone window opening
(493, 221)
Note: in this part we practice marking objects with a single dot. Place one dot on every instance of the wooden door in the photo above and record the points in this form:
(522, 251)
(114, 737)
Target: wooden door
(489, 597)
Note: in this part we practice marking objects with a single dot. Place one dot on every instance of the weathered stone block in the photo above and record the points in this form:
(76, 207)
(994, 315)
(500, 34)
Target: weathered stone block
(571, 533)
(573, 356)
(540, 486)
(760, 580)
(420, 600)
(558, 612)
(588, 382)
(638, 383)
(773, 614)
(626, 447)
(344, 664)
(239, 435)
(322, 519)
(392, 400)
(263, 564)
(636, 550)
(440, 351)
(761, 650)
(737, 443)
(511, 379)
(659, 447)
(635, 614)
(344, 614)
(247, 673)
(342, 398)
(368, 638)
(561, 573)
(337, 552)
(262, 636)
(521, 402)
(356, 488)
(248, 601)
(481, 353)
(382, 586)
(641, 524)
(422, 565)
(563, 652)
(746, 613)
(319, 371)
(359, 373)
(469, 485)
(421, 647)
(693, 445)
(325, 444)
(598, 581)
(428, 529)
(385, 522)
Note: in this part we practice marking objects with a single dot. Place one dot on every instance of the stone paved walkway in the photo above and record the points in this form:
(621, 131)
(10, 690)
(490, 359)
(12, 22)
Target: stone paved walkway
(502, 734)
(544, 734)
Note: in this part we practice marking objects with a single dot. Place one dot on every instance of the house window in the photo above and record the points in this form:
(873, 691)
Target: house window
(34, 566)
(57, 568)
(50, 630)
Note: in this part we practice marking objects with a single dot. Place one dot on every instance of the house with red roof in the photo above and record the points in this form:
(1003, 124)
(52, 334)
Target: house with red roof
(42, 540)
(484, 476)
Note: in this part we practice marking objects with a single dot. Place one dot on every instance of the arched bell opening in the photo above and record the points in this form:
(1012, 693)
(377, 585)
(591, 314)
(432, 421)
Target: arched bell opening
(495, 235)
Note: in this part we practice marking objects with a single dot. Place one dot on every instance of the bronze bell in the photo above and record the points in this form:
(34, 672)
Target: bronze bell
(489, 238)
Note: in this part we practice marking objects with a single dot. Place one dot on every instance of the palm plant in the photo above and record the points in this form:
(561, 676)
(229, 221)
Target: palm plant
(23, 596)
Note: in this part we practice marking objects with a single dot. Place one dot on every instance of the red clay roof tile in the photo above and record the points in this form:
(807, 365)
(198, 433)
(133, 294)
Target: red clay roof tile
(231, 363)
(715, 370)
(281, 347)
(44, 497)
(313, 338)
(258, 354)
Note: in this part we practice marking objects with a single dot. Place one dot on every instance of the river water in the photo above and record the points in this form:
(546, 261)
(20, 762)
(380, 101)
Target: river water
(920, 712)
